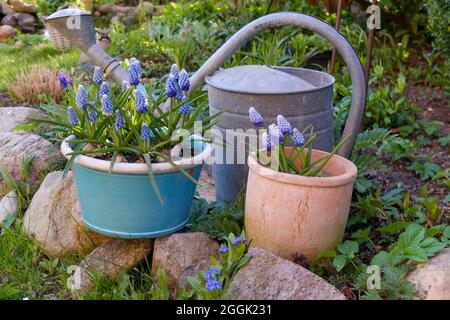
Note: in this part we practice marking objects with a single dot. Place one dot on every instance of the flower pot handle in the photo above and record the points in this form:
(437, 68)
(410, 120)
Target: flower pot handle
(315, 25)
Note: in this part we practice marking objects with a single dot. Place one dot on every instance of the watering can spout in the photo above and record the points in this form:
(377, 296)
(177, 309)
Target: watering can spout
(77, 27)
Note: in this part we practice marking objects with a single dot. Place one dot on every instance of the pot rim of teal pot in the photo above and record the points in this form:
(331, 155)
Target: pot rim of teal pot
(135, 168)
(348, 175)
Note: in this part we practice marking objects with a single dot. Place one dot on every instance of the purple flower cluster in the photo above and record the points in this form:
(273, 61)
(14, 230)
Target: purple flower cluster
(98, 76)
(211, 281)
(177, 84)
(104, 89)
(63, 82)
(140, 101)
(107, 105)
(146, 133)
(81, 97)
(239, 239)
(92, 115)
(223, 248)
(120, 123)
(73, 117)
(134, 72)
(276, 132)
(255, 117)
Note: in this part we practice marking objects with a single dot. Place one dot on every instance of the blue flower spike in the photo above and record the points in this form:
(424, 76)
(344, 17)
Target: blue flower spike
(107, 105)
(63, 82)
(185, 108)
(120, 123)
(140, 101)
(173, 90)
(73, 117)
(134, 72)
(104, 89)
(223, 248)
(299, 139)
(175, 72)
(146, 133)
(81, 97)
(184, 81)
(283, 125)
(98, 76)
(255, 117)
(92, 115)
(211, 281)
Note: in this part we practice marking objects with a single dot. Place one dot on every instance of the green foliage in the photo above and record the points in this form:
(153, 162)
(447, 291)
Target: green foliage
(227, 265)
(33, 50)
(438, 18)
(138, 43)
(217, 219)
(387, 107)
(413, 244)
(425, 170)
(22, 187)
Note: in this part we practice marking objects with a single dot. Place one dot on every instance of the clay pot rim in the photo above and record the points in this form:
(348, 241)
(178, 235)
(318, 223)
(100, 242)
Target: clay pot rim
(349, 175)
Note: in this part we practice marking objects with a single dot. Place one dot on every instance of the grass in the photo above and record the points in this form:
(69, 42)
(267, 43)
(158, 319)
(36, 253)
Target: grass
(34, 50)
(26, 272)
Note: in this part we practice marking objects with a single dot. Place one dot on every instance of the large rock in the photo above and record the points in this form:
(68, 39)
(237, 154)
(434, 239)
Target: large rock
(15, 147)
(21, 6)
(7, 32)
(11, 117)
(432, 279)
(269, 277)
(109, 259)
(9, 20)
(6, 9)
(53, 218)
(8, 206)
(178, 251)
(26, 22)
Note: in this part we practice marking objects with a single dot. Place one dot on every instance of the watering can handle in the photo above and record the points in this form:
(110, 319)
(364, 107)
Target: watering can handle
(310, 23)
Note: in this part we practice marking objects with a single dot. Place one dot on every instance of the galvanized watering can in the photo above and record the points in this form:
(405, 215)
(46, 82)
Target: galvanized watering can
(304, 96)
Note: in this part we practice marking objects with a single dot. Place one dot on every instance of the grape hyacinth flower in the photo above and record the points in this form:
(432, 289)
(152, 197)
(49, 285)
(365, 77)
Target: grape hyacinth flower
(223, 248)
(125, 84)
(211, 273)
(104, 89)
(107, 105)
(81, 98)
(236, 241)
(298, 138)
(184, 81)
(255, 117)
(63, 82)
(175, 72)
(185, 108)
(98, 76)
(92, 115)
(213, 284)
(273, 134)
(146, 134)
(283, 125)
(173, 90)
(140, 101)
(73, 117)
(120, 123)
(134, 72)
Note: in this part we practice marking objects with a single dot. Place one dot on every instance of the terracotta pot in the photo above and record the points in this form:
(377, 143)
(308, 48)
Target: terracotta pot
(294, 216)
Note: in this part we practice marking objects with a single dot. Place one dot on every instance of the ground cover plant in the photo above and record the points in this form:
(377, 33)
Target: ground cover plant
(400, 209)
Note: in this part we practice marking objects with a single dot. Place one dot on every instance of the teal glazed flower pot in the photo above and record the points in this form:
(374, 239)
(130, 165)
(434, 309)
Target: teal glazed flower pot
(123, 203)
